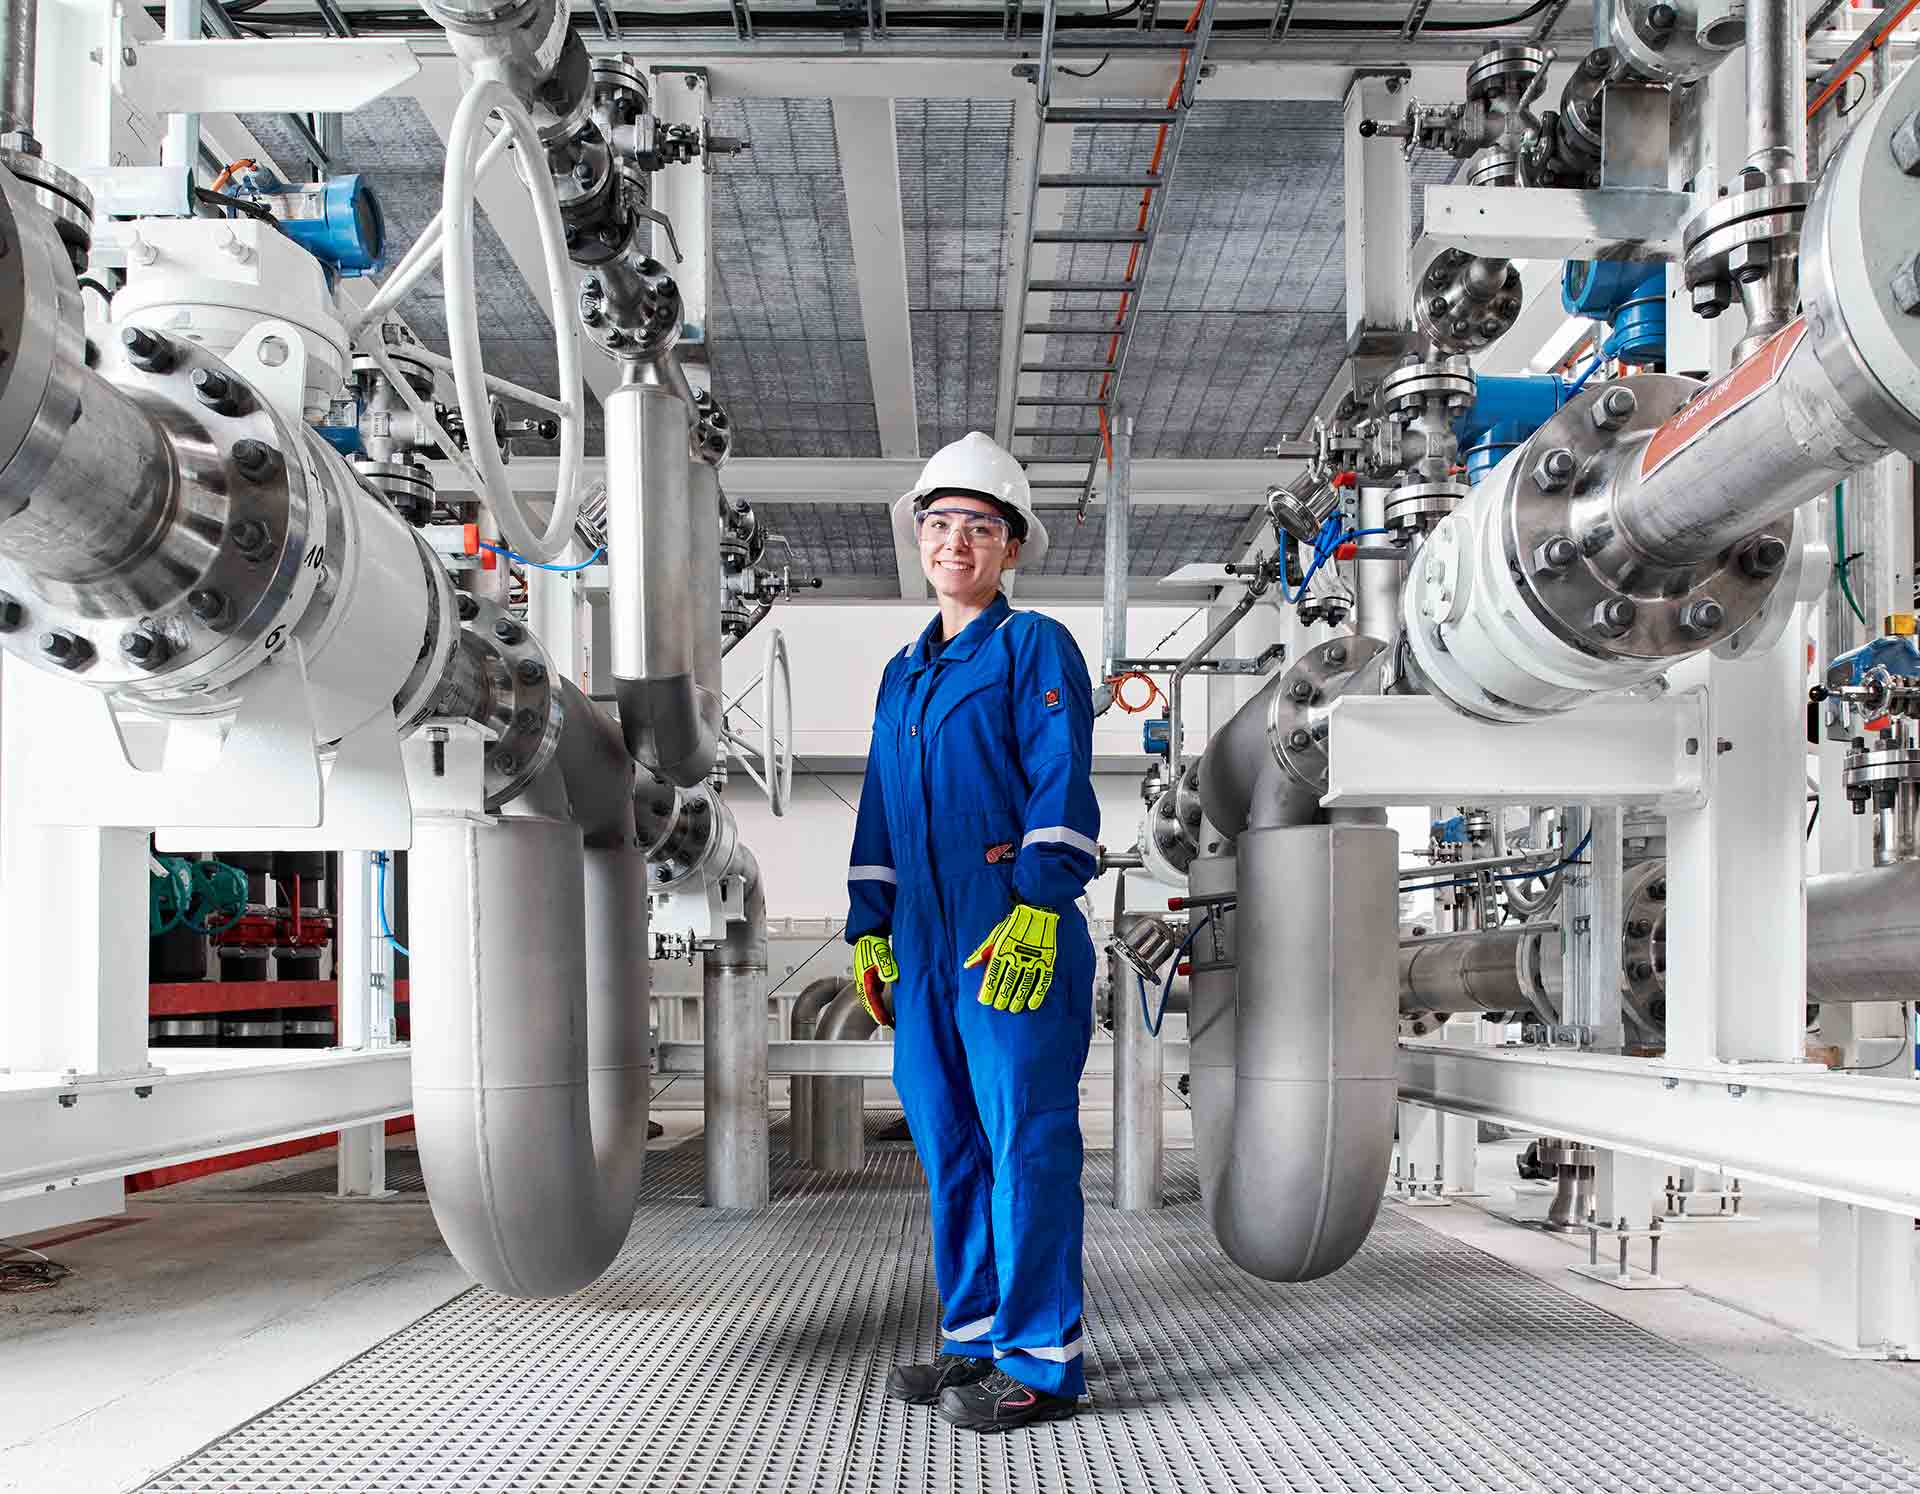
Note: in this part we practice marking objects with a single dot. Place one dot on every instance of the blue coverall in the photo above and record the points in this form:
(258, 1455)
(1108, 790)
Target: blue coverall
(978, 795)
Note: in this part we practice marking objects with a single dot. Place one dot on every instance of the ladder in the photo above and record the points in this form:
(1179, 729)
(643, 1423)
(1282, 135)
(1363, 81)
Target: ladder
(1089, 386)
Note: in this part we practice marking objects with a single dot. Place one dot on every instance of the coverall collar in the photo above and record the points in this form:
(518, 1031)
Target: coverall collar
(969, 640)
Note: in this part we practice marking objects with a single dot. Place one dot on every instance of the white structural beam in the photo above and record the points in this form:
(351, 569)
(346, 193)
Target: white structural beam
(1839, 1136)
(870, 172)
(683, 193)
(1379, 210)
(1553, 223)
(510, 213)
(1036, 151)
(1160, 480)
(306, 75)
(56, 1135)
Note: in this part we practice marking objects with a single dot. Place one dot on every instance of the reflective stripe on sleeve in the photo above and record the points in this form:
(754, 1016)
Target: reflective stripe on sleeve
(872, 874)
(1062, 835)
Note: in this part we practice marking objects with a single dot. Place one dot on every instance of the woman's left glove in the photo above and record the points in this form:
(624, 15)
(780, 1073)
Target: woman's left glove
(1019, 955)
(874, 970)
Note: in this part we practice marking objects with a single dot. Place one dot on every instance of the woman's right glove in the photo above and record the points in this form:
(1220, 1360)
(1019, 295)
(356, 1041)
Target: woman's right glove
(874, 970)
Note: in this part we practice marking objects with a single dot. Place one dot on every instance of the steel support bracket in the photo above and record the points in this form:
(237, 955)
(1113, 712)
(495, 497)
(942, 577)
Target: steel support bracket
(1413, 749)
(306, 74)
(1556, 223)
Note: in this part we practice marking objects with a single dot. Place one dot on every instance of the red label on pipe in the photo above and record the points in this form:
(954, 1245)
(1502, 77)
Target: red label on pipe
(1715, 403)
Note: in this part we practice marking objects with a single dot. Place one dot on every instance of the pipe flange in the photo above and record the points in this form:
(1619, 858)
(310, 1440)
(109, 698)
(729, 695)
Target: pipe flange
(712, 434)
(1871, 769)
(1674, 41)
(620, 84)
(1504, 70)
(1408, 387)
(630, 307)
(1297, 710)
(1737, 238)
(250, 543)
(523, 703)
(1464, 302)
(64, 197)
(1579, 574)
(1496, 166)
(406, 485)
(414, 700)
(1556, 1151)
(1857, 239)
(368, 375)
(701, 843)
(1420, 505)
(1643, 949)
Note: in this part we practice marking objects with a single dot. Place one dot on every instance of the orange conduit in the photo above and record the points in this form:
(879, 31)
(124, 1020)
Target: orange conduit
(1886, 33)
(1133, 254)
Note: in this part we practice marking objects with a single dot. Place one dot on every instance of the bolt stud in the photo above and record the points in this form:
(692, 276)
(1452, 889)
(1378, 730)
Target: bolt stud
(145, 648)
(1614, 408)
(12, 614)
(147, 351)
(207, 605)
(1615, 617)
(68, 650)
(1764, 556)
(1554, 470)
(507, 630)
(252, 538)
(216, 391)
(466, 606)
(255, 460)
(1702, 617)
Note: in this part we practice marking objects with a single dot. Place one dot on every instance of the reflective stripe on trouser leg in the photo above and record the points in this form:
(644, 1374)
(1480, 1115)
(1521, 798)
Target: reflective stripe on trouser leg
(929, 1070)
(1025, 1071)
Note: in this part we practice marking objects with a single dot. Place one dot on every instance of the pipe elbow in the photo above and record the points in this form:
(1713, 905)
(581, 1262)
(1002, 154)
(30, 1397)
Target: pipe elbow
(671, 725)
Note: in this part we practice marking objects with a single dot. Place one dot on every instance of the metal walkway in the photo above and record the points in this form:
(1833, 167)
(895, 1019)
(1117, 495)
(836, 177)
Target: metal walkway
(729, 1351)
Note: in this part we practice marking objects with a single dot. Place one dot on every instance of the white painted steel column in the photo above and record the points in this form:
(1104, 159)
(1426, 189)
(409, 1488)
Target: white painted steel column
(683, 194)
(1421, 1155)
(1627, 1186)
(870, 173)
(1869, 1303)
(1736, 920)
(1593, 998)
(181, 147)
(1379, 212)
(364, 975)
(1460, 1134)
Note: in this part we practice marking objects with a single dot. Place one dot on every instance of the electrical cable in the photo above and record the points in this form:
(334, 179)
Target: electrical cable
(380, 897)
(1074, 72)
(543, 565)
(1905, 1050)
(1843, 559)
(1154, 1021)
(1524, 876)
(1585, 374)
(1887, 28)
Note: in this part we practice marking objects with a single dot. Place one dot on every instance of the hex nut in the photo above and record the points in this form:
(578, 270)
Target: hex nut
(252, 538)
(1763, 556)
(1614, 617)
(507, 630)
(1905, 142)
(1750, 261)
(68, 650)
(1906, 287)
(1614, 408)
(466, 606)
(12, 614)
(207, 605)
(1662, 18)
(1555, 555)
(1336, 654)
(1711, 297)
(1299, 739)
(531, 671)
(1554, 470)
(255, 460)
(1301, 690)
(505, 762)
(1701, 617)
(145, 648)
(217, 391)
(525, 719)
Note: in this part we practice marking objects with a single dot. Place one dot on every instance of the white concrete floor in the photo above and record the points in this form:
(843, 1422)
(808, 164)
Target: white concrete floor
(214, 1304)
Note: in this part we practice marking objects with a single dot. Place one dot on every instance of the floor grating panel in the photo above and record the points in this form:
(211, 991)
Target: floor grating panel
(745, 1351)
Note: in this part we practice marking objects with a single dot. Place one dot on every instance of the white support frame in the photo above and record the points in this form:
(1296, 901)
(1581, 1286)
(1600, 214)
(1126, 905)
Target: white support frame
(1379, 210)
(870, 172)
(1555, 223)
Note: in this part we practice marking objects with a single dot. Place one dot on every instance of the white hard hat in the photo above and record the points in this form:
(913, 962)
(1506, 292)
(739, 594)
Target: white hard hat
(977, 464)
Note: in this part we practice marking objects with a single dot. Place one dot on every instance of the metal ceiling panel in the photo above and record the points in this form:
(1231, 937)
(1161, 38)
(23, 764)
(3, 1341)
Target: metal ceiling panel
(787, 345)
(954, 155)
(832, 539)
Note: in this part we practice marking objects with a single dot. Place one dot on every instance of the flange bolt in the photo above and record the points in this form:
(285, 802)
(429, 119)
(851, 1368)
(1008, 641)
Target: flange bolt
(145, 648)
(1301, 690)
(1905, 141)
(467, 607)
(252, 538)
(1658, 891)
(1711, 297)
(507, 630)
(1662, 18)
(216, 391)
(1906, 286)
(505, 762)
(1641, 970)
(255, 460)
(11, 612)
(1556, 554)
(1614, 617)
(208, 605)
(1614, 408)
(1764, 556)
(1336, 654)
(531, 671)
(1554, 470)
(525, 719)
(1299, 739)
(68, 650)
(147, 351)
(1639, 928)
(1698, 619)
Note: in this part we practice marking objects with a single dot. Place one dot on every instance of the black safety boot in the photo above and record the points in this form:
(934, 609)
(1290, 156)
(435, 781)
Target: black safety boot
(999, 1403)
(921, 1384)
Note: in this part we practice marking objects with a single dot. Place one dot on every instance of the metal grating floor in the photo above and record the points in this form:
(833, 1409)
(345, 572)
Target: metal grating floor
(403, 1176)
(744, 1351)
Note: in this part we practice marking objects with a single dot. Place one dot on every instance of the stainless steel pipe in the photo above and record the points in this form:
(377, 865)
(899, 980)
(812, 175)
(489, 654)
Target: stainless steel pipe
(1863, 935)
(1776, 90)
(1498, 970)
(19, 25)
(1377, 582)
(1139, 1119)
(1118, 517)
(652, 566)
(802, 1026)
(532, 1114)
(734, 1021)
(839, 1105)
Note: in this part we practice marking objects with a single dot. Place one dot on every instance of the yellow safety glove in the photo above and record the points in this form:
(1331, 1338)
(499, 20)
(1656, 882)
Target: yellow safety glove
(1019, 955)
(874, 969)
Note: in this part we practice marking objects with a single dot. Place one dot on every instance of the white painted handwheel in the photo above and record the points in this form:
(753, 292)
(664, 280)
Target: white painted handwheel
(777, 677)
(486, 98)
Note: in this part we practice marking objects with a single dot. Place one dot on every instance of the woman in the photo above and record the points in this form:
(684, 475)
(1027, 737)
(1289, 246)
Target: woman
(976, 836)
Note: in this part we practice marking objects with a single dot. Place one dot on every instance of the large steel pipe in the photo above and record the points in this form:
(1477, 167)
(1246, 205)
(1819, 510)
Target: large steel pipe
(531, 1113)
(802, 1026)
(651, 564)
(1863, 935)
(1139, 1119)
(1295, 1135)
(1497, 970)
(734, 1032)
(839, 1105)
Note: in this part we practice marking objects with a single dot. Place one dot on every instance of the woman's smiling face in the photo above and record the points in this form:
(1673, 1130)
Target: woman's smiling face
(965, 543)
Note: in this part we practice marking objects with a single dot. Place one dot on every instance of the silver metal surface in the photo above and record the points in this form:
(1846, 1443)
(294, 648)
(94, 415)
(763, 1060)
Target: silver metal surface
(1139, 1110)
(733, 981)
(802, 1026)
(1513, 969)
(1377, 581)
(1118, 517)
(1863, 934)
(837, 1126)
(19, 25)
(747, 1353)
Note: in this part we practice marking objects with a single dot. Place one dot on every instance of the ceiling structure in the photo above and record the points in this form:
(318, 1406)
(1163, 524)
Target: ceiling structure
(1243, 320)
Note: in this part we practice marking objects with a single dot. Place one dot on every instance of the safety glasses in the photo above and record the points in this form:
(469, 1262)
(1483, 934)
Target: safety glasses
(943, 524)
